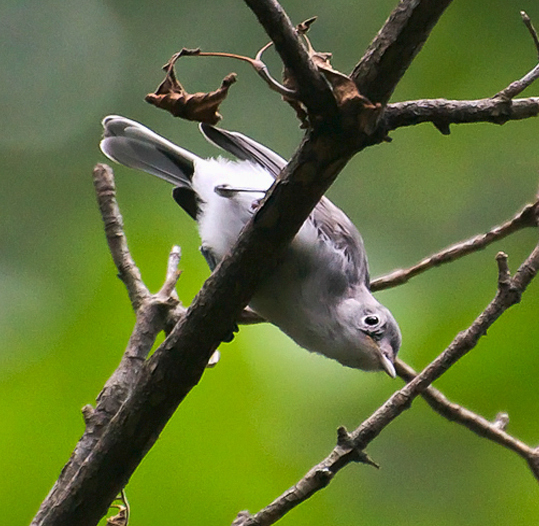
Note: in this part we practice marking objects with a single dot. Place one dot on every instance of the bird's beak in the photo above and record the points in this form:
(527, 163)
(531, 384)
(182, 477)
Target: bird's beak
(384, 352)
(388, 366)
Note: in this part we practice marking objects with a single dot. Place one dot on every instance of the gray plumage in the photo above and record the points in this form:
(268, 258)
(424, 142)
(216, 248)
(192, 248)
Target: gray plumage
(319, 294)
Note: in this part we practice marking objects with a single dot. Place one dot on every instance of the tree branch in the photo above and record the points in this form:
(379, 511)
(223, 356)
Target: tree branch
(494, 431)
(498, 109)
(136, 404)
(395, 46)
(517, 87)
(442, 112)
(350, 446)
(178, 364)
(110, 212)
(527, 217)
(154, 313)
(314, 90)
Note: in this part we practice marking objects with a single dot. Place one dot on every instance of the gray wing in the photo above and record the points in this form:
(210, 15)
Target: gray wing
(244, 148)
(333, 226)
(335, 229)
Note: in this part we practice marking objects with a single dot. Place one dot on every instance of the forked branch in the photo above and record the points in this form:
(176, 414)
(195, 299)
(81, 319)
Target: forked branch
(498, 109)
(517, 87)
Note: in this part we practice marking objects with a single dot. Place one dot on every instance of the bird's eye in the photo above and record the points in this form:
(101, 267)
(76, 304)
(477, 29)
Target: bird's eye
(371, 320)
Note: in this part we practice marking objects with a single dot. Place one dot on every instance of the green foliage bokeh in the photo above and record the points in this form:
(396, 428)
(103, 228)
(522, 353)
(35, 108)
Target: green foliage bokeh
(269, 410)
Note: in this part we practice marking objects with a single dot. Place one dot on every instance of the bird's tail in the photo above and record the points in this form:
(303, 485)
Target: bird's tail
(130, 143)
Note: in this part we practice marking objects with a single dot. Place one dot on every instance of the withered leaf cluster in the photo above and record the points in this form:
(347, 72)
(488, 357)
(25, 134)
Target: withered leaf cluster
(356, 110)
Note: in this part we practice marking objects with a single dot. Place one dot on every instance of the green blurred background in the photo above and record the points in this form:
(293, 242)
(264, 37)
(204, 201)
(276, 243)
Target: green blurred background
(269, 410)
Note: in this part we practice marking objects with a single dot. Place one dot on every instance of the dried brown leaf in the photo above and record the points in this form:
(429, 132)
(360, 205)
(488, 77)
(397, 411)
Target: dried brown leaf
(356, 108)
(301, 112)
(171, 96)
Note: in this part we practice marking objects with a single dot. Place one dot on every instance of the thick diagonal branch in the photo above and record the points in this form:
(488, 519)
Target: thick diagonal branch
(178, 364)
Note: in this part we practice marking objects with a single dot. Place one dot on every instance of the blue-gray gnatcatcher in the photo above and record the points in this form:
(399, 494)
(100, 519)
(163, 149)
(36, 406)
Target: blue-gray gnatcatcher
(319, 293)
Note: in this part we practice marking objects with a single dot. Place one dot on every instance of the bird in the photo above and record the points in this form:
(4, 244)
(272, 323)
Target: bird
(319, 293)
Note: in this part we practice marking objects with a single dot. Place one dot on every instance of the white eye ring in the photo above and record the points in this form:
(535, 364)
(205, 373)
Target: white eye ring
(371, 320)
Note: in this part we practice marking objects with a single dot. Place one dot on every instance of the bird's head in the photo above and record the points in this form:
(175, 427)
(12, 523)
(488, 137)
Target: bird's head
(374, 331)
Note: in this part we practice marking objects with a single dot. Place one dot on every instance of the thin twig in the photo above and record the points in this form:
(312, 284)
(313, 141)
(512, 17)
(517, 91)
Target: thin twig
(528, 23)
(250, 317)
(313, 89)
(112, 219)
(523, 219)
(352, 449)
(124, 511)
(494, 431)
(504, 274)
(258, 65)
(516, 88)
(173, 274)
